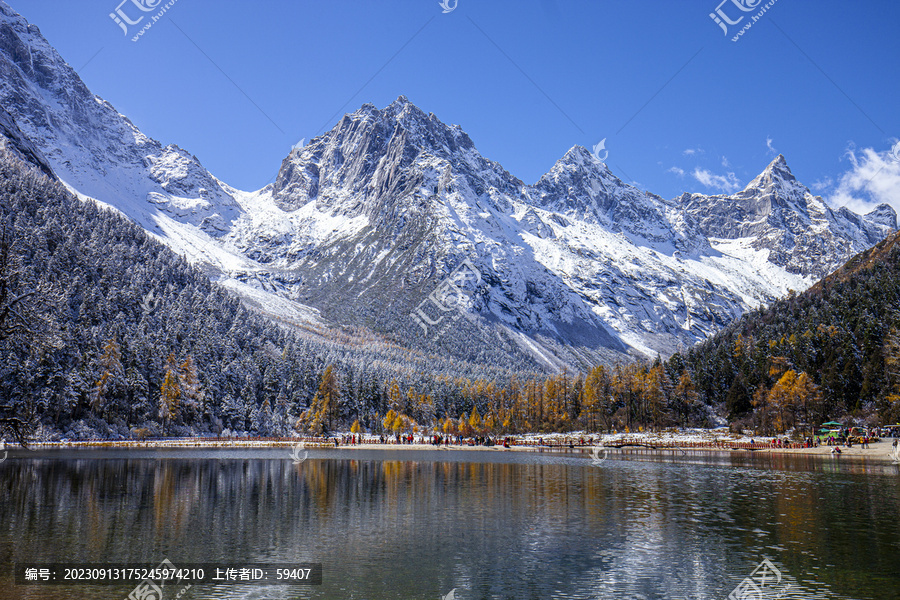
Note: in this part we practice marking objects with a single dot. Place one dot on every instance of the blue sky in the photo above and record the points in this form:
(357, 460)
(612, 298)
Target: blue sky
(680, 105)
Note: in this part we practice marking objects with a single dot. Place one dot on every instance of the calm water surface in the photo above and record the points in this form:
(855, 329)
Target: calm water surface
(411, 525)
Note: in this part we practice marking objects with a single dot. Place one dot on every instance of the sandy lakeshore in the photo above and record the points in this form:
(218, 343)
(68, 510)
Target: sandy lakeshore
(876, 451)
(880, 451)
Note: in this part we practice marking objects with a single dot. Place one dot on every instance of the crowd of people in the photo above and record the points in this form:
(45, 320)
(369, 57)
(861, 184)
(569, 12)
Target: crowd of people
(835, 439)
(844, 437)
(448, 440)
(408, 438)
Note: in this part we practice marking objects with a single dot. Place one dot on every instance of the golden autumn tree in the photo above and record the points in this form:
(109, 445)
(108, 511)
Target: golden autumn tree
(808, 398)
(792, 395)
(401, 423)
(685, 397)
(509, 415)
(169, 394)
(655, 396)
(388, 422)
(450, 426)
(553, 405)
(111, 374)
(464, 428)
(325, 404)
(395, 396)
(780, 400)
(593, 392)
(626, 386)
(397, 424)
(475, 420)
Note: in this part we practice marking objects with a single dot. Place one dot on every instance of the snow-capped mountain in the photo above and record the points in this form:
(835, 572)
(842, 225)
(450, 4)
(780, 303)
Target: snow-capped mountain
(405, 200)
(366, 223)
(575, 257)
(95, 150)
(583, 189)
(799, 231)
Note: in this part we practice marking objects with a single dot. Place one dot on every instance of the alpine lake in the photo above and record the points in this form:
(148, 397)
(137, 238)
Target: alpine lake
(406, 524)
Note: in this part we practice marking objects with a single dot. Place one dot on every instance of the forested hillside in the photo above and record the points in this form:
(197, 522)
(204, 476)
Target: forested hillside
(106, 332)
(831, 351)
(116, 333)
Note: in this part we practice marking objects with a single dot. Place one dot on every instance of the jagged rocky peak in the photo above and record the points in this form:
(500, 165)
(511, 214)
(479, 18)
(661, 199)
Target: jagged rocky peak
(582, 187)
(777, 185)
(404, 119)
(778, 214)
(883, 214)
(428, 131)
(764, 203)
(401, 110)
(579, 185)
(365, 150)
(30, 58)
(777, 169)
(580, 156)
(776, 180)
(395, 150)
(579, 166)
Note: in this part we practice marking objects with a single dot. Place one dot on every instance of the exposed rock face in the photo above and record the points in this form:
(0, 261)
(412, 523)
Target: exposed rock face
(801, 232)
(576, 260)
(366, 221)
(94, 149)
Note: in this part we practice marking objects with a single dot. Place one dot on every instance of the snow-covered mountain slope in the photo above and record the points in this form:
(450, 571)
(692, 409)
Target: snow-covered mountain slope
(366, 223)
(378, 211)
(94, 149)
(583, 189)
(13, 140)
(779, 215)
(388, 203)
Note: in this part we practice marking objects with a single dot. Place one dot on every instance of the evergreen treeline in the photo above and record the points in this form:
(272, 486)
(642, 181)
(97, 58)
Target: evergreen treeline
(105, 332)
(827, 353)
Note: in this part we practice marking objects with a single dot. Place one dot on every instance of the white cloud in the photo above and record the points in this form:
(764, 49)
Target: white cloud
(770, 147)
(677, 171)
(692, 151)
(821, 185)
(727, 183)
(873, 179)
(725, 162)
